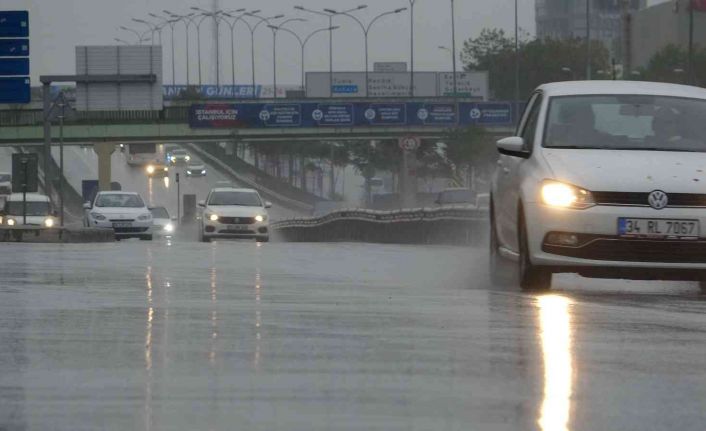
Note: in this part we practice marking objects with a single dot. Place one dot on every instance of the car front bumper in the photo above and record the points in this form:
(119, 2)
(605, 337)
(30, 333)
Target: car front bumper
(599, 244)
(218, 230)
(137, 229)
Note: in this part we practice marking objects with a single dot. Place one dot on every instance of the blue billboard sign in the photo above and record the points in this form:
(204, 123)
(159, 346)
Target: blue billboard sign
(486, 113)
(14, 66)
(14, 47)
(14, 90)
(14, 23)
(360, 114)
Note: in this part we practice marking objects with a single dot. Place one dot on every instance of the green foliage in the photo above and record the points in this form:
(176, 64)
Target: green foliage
(670, 64)
(541, 61)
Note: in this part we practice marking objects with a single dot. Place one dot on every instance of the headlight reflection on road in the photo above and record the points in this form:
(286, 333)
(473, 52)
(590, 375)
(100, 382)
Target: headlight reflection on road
(555, 335)
(166, 182)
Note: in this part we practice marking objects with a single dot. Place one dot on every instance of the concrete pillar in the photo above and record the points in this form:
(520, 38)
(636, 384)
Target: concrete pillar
(105, 151)
(408, 179)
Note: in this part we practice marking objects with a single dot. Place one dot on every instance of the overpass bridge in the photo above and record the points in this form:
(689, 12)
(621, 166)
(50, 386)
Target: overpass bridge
(277, 120)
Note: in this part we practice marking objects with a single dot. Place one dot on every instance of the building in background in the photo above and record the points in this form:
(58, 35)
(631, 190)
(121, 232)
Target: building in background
(663, 24)
(563, 19)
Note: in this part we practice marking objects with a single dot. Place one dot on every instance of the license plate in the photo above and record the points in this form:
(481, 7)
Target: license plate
(237, 227)
(122, 224)
(659, 228)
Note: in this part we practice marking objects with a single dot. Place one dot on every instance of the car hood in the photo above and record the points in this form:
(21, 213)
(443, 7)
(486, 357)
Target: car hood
(236, 211)
(121, 213)
(629, 171)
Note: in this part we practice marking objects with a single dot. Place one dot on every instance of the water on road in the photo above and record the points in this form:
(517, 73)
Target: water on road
(235, 335)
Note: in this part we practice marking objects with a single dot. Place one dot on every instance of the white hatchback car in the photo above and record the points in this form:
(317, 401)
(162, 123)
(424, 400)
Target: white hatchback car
(234, 213)
(604, 179)
(124, 212)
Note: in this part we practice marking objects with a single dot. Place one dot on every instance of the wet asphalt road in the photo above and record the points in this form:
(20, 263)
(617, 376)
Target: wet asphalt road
(232, 335)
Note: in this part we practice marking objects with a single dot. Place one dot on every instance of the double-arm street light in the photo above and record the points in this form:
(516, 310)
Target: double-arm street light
(231, 25)
(366, 32)
(302, 44)
(217, 17)
(140, 37)
(275, 30)
(330, 16)
(253, 29)
(171, 23)
(188, 20)
(121, 41)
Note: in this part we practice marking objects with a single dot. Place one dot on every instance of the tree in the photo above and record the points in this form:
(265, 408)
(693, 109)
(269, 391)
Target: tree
(541, 61)
(670, 65)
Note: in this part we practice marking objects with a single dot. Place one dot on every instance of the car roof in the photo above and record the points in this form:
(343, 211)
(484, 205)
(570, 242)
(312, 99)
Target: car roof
(118, 192)
(232, 189)
(31, 197)
(570, 88)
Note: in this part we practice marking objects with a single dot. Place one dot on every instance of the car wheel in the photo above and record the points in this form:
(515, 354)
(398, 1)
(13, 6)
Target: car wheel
(497, 266)
(263, 239)
(532, 278)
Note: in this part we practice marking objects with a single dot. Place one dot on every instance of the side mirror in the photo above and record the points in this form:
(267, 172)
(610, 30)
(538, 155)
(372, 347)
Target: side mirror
(87, 205)
(268, 204)
(513, 146)
(202, 204)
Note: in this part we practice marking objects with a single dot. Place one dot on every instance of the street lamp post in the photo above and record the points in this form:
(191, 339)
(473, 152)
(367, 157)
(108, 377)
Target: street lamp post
(330, 16)
(171, 23)
(188, 20)
(275, 30)
(253, 29)
(411, 38)
(453, 45)
(231, 25)
(140, 37)
(302, 44)
(216, 16)
(152, 29)
(366, 32)
(588, 40)
(121, 41)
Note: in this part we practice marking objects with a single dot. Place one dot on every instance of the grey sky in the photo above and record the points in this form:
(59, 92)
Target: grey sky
(59, 25)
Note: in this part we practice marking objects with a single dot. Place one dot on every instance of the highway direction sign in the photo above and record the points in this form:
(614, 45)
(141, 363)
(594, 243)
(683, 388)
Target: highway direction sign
(14, 66)
(14, 23)
(14, 90)
(14, 47)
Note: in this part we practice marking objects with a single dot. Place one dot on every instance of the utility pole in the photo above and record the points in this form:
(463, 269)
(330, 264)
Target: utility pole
(453, 45)
(588, 40)
(691, 44)
(517, 64)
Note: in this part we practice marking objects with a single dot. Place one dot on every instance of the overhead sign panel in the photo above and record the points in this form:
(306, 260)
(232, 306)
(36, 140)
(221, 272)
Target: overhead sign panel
(468, 84)
(14, 47)
(14, 23)
(119, 60)
(358, 114)
(390, 66)
(14, 66)
(14, 90)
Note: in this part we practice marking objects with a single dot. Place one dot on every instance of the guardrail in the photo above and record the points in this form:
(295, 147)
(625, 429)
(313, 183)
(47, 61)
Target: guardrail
(445, 225)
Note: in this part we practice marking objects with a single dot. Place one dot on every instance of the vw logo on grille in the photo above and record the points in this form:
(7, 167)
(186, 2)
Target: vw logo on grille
(658, 199)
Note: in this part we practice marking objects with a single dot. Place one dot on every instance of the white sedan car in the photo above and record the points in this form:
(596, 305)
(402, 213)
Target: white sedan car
(234, 213)
(124, 212)
(604, 179)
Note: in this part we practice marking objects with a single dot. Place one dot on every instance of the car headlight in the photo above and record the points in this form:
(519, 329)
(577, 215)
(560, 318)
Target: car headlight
(145, 216)
(11, 222)
(150, 169)
(166, 169)
(562, 195)
(188, 172)
(212, 217)
(187, 158)
(203, 172)
(169, 227)
(173, 159)
(49, 222)
(99, 217)
(259, 218)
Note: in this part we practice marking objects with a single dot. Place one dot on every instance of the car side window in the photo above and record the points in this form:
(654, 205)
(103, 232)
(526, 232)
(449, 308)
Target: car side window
(529, 129)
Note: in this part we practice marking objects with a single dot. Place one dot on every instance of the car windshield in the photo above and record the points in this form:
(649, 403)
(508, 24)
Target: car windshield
(159, 212)
(5, 178)
(456, 197)
(178, 152)
(247, 199)
(33, 208)
(123, 200)
(627, 122)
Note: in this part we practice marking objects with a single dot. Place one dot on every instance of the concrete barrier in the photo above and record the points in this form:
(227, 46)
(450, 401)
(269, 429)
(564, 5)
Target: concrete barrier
(63, 236)
(447, 225)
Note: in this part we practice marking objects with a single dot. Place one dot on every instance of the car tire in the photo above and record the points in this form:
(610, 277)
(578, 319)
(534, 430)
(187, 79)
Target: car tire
(263, 239)
(532, 278)
(497, 265)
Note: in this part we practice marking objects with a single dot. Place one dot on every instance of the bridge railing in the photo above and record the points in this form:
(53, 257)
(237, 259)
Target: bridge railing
(34, 117)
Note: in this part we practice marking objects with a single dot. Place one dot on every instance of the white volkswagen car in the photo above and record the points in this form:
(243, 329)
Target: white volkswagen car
(234, 213)
(124, 212)
(604, 179)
